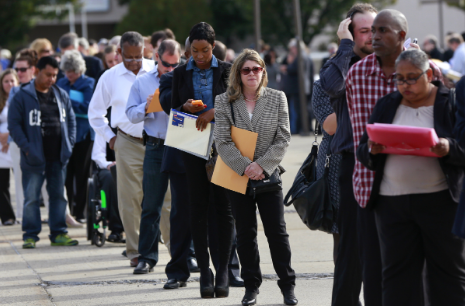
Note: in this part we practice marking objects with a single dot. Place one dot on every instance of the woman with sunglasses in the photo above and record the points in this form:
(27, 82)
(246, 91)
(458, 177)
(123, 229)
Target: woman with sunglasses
(415, 197)
(204, 77)
(248, 104)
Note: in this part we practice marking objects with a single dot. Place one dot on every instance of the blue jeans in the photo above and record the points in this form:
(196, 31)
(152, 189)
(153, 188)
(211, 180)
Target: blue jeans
(55, 175)
(155, 184)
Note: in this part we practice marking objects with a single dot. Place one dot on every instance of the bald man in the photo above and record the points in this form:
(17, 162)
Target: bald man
(367, 81)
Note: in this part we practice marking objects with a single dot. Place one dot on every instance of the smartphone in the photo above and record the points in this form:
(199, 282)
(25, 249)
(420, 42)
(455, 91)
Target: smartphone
(415, 41)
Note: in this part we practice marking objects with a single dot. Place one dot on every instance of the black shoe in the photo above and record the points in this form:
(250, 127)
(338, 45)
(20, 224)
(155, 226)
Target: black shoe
(116, 238)
(143, 268)
(221, 285)
(289, 297)
(124, 254)
(192, 264)
(81, 220)
(9, 222)
(174, 284)
(235, 281)
(206, 285)
(250, 298)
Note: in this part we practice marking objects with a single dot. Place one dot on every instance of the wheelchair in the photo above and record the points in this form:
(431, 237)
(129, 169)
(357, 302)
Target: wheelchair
(97, 212)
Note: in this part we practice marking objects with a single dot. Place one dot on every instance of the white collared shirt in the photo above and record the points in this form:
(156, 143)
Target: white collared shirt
(113, 91)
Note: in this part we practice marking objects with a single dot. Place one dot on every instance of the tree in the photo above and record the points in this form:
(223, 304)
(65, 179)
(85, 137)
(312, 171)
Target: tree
(234, 18)
(147, 17)
(19, 16)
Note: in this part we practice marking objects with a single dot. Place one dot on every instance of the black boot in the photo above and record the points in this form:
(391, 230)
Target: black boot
(222, 283)
(206, 285)
(250, 298)
(289, 297)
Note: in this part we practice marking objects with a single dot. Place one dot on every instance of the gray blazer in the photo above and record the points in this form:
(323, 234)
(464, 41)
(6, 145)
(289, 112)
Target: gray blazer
(270, 120)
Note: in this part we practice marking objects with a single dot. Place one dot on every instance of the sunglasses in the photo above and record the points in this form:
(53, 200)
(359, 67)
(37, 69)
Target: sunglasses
(168, 64)
(255, 70)
(22, 69)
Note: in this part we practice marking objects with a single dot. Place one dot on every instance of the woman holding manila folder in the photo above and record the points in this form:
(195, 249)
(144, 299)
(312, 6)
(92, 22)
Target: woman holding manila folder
(248, 104)
(415, 197)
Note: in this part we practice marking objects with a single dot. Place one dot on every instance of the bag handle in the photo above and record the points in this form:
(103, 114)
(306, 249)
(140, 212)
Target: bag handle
(232, 113)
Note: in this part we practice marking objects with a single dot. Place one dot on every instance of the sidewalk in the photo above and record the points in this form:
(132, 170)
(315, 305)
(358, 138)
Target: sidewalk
(88, 275)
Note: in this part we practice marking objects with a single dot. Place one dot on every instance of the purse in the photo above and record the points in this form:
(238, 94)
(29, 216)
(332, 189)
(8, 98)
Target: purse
(311, 197)
(268, 184)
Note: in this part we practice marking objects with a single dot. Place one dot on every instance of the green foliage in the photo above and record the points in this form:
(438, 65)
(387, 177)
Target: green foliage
(234, 18)
(18, 16)
(147, 17)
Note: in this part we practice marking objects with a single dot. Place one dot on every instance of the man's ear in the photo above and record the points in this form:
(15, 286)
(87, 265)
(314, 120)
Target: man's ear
(402, 35)
(120, 52)
(429, 74)
(156, 56)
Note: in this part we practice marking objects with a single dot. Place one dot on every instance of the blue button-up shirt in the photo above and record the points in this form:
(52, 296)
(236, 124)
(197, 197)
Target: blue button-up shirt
(203, 82)
(155, 124)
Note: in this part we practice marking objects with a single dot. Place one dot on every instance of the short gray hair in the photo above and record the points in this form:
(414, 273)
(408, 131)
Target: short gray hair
(84, 43)
(416, 57)
(170, 46)
(72, 61)
(69, 39)
(132, 38)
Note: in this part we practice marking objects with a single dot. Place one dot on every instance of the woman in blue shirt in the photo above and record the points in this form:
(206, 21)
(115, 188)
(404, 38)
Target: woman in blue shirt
(80, 89)
(204, 77)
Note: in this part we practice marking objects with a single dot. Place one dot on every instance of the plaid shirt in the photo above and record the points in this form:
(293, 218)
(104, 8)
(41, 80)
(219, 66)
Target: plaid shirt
(366, 83)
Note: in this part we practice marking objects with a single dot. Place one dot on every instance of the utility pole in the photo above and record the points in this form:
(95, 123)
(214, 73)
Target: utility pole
(256, 10)
(301, 71)
(84, 22)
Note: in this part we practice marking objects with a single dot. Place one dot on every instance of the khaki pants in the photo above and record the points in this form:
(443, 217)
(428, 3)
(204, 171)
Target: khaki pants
(129, 163)
(165, 220)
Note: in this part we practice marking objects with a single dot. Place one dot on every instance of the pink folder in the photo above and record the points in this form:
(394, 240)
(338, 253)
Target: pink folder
(403, 140)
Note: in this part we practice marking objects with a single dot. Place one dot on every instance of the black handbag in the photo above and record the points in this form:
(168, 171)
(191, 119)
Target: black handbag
(311, 197)
(269, 183)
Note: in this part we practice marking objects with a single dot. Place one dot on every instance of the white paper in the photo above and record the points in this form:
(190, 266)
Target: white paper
(185, 136)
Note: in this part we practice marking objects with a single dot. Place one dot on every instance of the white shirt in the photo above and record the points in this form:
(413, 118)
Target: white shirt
(99, 152)
(113, 91)
(407, 174)
(457, 62)
(5, 158)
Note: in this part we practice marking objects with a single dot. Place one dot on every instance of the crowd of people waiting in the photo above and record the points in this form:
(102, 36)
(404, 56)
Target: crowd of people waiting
(400, 219)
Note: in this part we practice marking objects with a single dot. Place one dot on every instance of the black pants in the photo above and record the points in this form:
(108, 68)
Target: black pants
(108, 184)
(77, 173)
(214, 240)
(199, 189)
(6, 210)
(271, 208)
(180, 233)
(417, 228)
(348, 271)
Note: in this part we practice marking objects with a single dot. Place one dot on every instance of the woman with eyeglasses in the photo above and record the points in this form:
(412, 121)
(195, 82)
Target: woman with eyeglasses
(79, 88)
(248, 104)
(204, 77)
(8, 80)
(414, 197)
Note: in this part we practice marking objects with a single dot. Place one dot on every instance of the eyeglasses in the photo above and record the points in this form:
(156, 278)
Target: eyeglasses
(408, 81)
(255, 70)
(23, 69)
(168, 64)
(129, 60)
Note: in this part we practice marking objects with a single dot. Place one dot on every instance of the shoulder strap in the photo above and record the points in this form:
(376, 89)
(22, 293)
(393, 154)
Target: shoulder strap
(232, 113)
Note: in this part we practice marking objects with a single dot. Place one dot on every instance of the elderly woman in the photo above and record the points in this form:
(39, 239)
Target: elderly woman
(415, 198)
(8, 80)
(80, 88)
(248, 104)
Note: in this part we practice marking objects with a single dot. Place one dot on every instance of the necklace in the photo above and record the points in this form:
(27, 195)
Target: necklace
(250, 100)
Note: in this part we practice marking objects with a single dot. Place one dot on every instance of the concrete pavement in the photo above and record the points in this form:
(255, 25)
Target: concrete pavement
(88, 275)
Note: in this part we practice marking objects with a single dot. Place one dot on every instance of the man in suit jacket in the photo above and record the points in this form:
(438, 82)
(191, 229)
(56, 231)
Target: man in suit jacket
(94, 65)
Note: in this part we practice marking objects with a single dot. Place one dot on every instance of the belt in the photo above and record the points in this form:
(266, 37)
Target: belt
(124, 133)
(156, 140)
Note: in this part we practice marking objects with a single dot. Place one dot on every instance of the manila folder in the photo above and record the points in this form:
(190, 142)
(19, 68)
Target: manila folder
(224, 176)
(155, 105)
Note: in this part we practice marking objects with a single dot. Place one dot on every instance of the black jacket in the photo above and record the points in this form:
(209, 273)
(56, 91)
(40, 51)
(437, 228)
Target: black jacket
(183, 86)
(459, 225)
(444, 122)
(94, 67)
(333, 81)
(172, 158)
